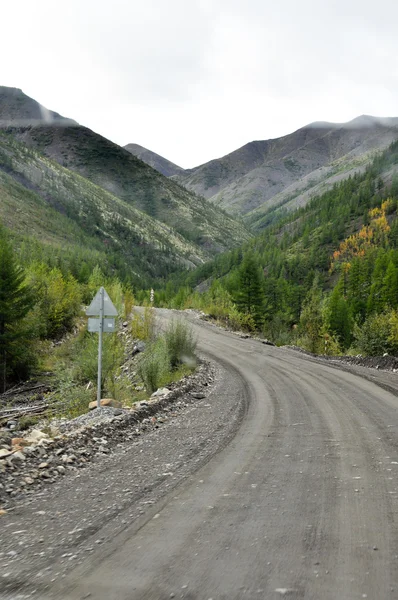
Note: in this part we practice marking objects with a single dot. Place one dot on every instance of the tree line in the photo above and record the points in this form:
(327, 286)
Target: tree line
(324, 277)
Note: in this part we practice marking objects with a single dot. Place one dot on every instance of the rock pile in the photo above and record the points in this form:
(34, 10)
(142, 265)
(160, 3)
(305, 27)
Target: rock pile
(40, 458)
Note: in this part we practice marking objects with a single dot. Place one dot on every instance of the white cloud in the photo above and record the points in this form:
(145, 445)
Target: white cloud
(195, 80)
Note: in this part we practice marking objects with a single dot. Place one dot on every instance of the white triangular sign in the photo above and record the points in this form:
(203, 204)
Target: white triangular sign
(94, 308)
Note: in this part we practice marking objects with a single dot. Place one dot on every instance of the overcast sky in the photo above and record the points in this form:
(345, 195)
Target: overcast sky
(193, 80)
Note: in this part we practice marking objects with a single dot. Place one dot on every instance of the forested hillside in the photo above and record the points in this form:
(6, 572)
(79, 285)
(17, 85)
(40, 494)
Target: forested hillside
(76, 212)
(47, 205)
(118, 172)
(325, 277)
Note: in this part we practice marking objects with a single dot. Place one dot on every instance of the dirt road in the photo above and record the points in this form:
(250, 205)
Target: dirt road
(301, 503)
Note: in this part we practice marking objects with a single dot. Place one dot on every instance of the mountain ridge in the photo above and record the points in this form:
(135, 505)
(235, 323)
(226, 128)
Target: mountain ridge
(121, 174)
(264, 176)
(161, 164)
(16, 108)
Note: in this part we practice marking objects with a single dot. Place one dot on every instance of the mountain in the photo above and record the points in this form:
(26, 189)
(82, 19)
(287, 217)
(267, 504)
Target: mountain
(264, 176)
(17, 109)
(197, 222)
(45, 204)
(156, 161)
(328, 271)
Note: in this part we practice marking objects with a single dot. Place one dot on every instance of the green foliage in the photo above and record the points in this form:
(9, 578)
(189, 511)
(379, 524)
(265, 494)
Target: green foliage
(354, 226)
(338, 318)
(249, 296)
(74, 400)
(27, 421)
(58, 300)
(377, 334)
(16, 299)
(105, 210)
(86, 358)
(154, 365)
(311, 320)
(180, 344)
(143, 324)
(168, 357)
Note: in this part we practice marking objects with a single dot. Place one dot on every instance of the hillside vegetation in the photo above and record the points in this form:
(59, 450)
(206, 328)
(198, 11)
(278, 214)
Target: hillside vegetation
(48, 204)
(123, 175)
(164, 166)
(262, 177)
(324, 277)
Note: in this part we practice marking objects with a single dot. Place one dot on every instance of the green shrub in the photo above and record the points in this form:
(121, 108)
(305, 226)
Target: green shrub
(27, 421)
(86, 358)
(180, 344)
(374, 337)
(74, 400)
(143, 324)
(154, 365)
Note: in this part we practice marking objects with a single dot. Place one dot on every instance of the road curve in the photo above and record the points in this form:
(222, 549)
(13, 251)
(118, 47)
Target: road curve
(302, 503)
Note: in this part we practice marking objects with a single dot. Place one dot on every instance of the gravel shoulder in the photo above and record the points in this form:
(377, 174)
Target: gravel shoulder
(63, 522)
(280, 482)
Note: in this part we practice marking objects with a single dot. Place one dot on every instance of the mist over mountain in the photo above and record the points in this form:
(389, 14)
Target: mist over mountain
(263, 176)
(68, 192)
(119, 173)
(18, 109)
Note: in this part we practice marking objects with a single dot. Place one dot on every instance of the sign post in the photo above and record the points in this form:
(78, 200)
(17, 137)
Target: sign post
(100, 306)
(101, 327)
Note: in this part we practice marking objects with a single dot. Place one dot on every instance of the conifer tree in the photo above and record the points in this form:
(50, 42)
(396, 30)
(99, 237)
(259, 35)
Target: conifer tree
(338, 318)
(311, 319)
(15, 302)
(249, 296)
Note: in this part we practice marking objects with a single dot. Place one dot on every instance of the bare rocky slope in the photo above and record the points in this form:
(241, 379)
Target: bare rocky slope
(264, 176)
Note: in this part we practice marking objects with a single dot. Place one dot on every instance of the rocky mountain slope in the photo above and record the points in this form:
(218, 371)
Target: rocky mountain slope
(164, 166)
(263, 176)
(57, 207)
(287, 171)
(18, 109)
(119, 172)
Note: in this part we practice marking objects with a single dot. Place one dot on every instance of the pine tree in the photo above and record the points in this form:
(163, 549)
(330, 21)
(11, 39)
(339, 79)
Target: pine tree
(249, 296)
(338, 318)
(15, 302)
(311, 319)
(390, 285)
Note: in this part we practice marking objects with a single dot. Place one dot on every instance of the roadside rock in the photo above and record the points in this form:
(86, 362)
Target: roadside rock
(105, 402)
(91, 437)
(160, 392)
(35, 436)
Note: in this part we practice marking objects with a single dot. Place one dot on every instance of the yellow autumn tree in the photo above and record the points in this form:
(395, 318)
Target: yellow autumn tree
(369, 236)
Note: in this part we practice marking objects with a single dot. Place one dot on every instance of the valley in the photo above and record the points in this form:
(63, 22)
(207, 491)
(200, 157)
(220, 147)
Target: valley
(198, 301)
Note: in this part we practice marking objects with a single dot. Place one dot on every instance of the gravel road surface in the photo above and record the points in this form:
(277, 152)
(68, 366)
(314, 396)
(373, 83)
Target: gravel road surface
(282, 482)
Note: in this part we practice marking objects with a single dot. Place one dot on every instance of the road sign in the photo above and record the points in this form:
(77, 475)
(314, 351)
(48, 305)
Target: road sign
(94, 325)
(100, 306)
(95, 306)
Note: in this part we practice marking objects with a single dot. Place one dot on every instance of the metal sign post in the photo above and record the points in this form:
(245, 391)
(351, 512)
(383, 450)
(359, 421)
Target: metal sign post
(100, 306)
(101, 327)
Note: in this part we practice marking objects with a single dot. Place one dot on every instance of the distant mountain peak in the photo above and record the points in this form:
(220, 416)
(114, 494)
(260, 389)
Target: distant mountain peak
(19, 110)
(161, 164)
(371, 121)
(362, 121)
(263, 176)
